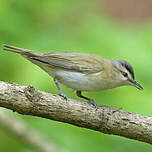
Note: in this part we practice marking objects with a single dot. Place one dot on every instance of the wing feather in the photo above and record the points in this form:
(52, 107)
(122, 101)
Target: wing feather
(80, 62)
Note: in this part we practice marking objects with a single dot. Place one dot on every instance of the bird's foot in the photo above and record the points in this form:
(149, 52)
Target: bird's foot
(63, 95)
(93, 103)
(60, 91)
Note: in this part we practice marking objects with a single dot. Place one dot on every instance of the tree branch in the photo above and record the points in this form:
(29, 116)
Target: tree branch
(29, 101)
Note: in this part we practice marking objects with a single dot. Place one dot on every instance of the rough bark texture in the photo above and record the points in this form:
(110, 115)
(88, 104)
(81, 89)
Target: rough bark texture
(29, 101)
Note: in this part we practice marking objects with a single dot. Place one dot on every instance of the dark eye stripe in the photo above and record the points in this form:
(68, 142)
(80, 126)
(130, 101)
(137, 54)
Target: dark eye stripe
(130, 69)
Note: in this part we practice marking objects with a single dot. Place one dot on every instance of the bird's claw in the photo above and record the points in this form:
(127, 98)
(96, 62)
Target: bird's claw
(63, 95)
(93, 103)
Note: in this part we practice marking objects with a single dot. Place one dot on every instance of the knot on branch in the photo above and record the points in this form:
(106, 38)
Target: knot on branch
(32, 94)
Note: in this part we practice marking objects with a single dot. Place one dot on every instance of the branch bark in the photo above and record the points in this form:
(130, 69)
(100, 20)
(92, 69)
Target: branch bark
(29, 101)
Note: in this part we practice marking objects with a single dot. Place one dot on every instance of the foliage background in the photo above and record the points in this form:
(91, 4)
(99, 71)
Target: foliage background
(80, 26)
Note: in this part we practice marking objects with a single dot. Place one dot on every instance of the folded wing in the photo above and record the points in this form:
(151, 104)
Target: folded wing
(80, 62)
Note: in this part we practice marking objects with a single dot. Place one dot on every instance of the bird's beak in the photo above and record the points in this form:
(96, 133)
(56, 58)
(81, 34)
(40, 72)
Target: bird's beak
(136, 84)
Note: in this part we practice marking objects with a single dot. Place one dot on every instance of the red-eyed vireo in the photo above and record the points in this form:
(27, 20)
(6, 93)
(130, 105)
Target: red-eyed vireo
(81, 71)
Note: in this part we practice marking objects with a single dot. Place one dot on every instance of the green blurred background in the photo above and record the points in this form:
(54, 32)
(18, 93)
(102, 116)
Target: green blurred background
(78, 26)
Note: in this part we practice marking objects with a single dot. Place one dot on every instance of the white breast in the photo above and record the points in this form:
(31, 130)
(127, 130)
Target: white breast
(82, 82)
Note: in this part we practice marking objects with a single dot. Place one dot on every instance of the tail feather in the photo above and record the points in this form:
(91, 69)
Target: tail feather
(20, 50)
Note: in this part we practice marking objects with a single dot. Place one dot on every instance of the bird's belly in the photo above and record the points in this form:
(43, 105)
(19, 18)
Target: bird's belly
(82, 82)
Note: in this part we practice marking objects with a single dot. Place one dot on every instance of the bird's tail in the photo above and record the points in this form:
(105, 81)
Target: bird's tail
(21, 51)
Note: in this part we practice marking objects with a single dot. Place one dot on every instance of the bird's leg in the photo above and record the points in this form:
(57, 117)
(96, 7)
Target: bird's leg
(90, 100)
(60, 91)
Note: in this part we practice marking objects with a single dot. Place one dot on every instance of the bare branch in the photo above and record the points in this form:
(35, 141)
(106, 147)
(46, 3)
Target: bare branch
(29, 101)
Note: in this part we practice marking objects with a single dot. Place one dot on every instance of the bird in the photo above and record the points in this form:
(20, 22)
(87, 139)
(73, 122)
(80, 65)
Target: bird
(81, 71)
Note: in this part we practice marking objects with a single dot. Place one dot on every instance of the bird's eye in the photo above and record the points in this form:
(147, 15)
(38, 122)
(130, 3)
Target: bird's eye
(125, 74)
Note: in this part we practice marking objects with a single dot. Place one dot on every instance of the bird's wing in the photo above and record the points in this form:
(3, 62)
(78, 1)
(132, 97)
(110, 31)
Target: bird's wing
(80, 62)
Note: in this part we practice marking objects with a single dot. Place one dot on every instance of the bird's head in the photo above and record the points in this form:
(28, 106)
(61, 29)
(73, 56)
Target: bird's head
(126, 73)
